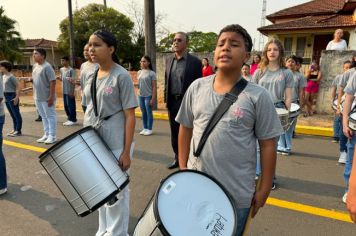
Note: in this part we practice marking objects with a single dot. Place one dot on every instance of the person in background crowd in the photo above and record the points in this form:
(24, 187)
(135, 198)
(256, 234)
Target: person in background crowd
(245, 73)
(254, 65)
(68, 86)
(111, 103)
(182, 69)
(3, 174)
(337, 126)
(44, 93)
(86, 70)
(207, 69)
(229, 154)
(313, 76)
(285, 140)
(11, 93)
(147, 93)
(337, 43)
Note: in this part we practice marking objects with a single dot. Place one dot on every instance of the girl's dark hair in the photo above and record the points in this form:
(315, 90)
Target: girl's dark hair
(147, 58)
(256, 55)
(7, 65)
(207, 60)
(110, 40)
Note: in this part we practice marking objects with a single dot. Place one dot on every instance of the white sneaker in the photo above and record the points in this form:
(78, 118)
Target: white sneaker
(143, 131)
(51, 139)
(344, 198)
(43, 139)
(70, 123)
(342, 158)
(2, 191)
(66, 123)
(148, 132)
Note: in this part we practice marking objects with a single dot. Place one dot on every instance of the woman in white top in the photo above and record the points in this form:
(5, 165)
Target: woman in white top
(337, 43)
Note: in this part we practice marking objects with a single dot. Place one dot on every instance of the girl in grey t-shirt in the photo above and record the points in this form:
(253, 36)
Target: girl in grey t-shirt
(147, 90)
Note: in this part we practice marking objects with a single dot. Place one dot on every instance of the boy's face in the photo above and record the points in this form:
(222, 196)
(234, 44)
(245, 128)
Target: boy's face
(64, 62)
(245, 70)
(230, 52)
(37, 57)
(290, 64)
(345, 67)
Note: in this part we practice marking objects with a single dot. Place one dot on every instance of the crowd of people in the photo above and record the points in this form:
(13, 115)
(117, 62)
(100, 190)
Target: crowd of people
(250, 130)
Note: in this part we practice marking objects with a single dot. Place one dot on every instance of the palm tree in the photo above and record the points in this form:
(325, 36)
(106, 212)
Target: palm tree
(10, 39)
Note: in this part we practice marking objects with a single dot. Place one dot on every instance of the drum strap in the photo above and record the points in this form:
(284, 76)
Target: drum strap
(225, 104)
(93, 92)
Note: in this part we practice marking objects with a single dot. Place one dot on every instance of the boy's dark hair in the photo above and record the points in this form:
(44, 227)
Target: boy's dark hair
(347, 62)
(7, 65)
(41, 51)
(65, 58)
(293, 57)
(241, 31)
(299, 60)
(245, 64)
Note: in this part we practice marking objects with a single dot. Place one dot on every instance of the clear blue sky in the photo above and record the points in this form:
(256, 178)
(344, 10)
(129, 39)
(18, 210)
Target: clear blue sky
(41, 18)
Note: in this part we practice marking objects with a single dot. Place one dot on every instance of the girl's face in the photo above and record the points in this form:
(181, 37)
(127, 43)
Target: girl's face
(144, 63)
(245, 70)
(256, 59)
(86, 52)
(290, 64)
(273, 52)
(204, 62)
(99, 51)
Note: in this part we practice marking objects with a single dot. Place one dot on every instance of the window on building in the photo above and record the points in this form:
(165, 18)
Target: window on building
(288, 44)
(301, 42)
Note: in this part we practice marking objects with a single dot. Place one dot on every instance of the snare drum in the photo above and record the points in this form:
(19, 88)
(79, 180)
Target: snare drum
(85, 170)
(189, 203)
(294, 110)
(283, 115)
(335, 105)
(352, 121)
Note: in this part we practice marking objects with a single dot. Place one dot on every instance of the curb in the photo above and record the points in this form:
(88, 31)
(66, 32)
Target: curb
(300, 129)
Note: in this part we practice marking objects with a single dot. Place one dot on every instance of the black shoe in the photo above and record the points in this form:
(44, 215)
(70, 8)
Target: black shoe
(39, 119)
(173, 165)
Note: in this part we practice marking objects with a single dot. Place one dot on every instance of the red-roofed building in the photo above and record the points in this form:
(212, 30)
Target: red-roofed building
(306, 29)
(53, 53)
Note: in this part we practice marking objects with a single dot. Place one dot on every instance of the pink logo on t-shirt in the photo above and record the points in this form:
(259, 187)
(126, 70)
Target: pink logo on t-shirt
(108, 90)
(238, 113)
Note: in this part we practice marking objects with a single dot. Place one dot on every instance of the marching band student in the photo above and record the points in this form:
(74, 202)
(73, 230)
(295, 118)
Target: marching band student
(111, 102)
(350, 91)
(229, 154)
(245, 72)
(285, 141)
(86, 70)
(337, 126)
(3, 175)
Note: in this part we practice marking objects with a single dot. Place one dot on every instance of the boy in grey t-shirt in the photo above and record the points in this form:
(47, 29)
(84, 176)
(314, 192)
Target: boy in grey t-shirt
(68, 86)
(229, 154)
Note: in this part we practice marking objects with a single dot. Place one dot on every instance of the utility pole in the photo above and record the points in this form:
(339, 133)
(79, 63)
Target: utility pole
(150, 32)
(105, 3)
(263, 23)
(71, 34)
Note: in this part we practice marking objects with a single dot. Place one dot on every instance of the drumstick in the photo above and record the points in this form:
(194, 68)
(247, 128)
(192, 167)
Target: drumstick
(249, 218)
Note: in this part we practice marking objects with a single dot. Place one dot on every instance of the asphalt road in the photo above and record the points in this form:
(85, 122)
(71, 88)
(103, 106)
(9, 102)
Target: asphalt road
(310, 177)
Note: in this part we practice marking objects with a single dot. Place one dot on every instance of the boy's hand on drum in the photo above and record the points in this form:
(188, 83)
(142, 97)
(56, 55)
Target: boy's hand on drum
(125, 161)
(258, 201)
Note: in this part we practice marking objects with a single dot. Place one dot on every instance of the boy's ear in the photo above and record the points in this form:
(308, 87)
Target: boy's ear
(247, 57)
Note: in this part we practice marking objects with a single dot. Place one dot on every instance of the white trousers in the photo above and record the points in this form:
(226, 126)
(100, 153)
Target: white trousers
(49, 117)
(114, 219)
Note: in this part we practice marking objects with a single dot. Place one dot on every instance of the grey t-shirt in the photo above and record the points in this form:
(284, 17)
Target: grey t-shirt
(336, 83)
(86, 70)
(115, 93)
(67, 76)
(10, 83)
(42, 76)
(145, 78)
(229, 154)
(351, 85)
(300, 82)
(346, 76)
(275, 82)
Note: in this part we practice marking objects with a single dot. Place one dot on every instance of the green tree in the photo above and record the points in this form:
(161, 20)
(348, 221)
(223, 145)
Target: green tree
(94, 17)
(198, 42)
(10, 39)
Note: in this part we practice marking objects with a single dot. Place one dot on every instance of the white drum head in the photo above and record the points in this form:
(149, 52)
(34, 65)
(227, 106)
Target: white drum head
(190, 203)
(353, 116)
(294, 107)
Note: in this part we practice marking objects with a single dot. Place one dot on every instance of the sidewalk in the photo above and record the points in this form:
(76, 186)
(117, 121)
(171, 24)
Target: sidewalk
(318, 125)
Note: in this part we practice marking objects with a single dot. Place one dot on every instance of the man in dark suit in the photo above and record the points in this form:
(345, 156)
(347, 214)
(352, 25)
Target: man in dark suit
(182, 69)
